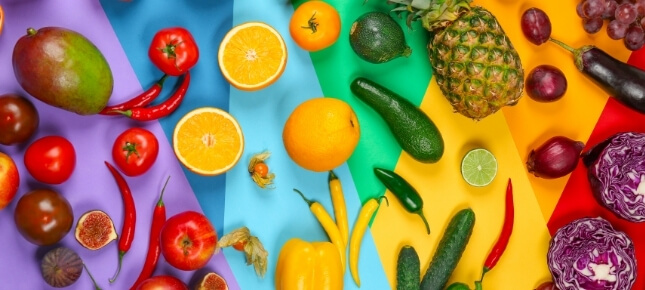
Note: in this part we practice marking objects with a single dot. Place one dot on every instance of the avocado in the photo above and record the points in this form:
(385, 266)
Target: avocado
(62, 68)
(412, 128)
(377, 38)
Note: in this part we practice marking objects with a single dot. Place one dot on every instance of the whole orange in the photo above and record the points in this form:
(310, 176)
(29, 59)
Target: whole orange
(321, 133)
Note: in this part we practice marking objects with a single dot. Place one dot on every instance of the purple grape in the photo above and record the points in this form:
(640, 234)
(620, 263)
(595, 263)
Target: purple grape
(640, 7)
(546, 83)
(626, 13)
(579, 10)
(610, 9)
(592, 25)
(593, 8)
(616, 29)
(634, 37)
(536, 25)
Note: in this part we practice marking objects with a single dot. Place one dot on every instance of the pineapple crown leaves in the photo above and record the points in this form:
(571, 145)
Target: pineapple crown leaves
(434, 14)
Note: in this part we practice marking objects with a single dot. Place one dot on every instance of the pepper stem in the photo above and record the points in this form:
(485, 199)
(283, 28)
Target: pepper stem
(420, 213)
(486, 269)
(160, 201)
(118, 270)
(162, 80)
(96, 286)
(309, 202)
(127, 113)
(562, 44)
(332, 176)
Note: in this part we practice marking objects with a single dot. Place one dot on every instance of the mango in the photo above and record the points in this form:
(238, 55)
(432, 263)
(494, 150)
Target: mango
(62, 68)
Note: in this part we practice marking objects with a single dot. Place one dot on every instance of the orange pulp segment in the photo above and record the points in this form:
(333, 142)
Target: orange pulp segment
(252, 56)
(208, 141)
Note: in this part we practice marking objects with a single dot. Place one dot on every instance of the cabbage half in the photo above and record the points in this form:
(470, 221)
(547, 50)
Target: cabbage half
(617, 175)
(589, 254)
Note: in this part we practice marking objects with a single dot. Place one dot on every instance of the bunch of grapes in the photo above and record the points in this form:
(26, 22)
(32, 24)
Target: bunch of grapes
(626, 19)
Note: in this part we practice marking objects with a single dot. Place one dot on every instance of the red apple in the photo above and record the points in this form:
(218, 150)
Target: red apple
(9, 180)
(162, 282)
(188, 240)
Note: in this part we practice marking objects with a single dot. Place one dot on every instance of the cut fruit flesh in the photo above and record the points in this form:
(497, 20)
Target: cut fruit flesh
(94, 230)
(479, 167)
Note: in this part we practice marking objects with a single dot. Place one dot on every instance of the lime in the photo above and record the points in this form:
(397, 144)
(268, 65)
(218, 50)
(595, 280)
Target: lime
(479, 167)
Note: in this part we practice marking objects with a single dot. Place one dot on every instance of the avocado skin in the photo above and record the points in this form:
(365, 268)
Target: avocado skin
(62, 68)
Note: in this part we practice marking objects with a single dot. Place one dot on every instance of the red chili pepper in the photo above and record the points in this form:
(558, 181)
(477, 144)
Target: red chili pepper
(141, 100)
(504, 236)
(163, 109)
(129, 217)
(154, 246)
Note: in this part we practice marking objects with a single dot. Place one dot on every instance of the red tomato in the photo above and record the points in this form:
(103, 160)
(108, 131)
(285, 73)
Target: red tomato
(173, 50)
(51, 159)
(135, 150)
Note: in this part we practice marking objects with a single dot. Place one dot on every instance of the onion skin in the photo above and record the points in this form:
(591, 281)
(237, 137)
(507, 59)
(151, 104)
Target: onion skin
(555, 158)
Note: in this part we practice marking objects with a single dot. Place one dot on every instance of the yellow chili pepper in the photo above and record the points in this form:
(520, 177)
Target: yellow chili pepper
(308, 266)
(328, 224)
(340, 209)
(364, 217)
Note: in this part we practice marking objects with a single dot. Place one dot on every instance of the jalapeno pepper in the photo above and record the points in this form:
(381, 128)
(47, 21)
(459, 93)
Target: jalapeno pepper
(404, 192)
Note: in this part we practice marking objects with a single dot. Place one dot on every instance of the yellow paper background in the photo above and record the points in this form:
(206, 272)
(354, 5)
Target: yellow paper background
(510, 136)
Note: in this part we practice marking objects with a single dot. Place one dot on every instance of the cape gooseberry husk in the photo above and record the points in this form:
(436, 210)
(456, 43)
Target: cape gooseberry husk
(61, 267)
(212, 281)
(94, 230)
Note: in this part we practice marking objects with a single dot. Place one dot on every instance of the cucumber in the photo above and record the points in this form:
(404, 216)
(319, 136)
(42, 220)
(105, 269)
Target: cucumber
(377, 38)
(412, 128)
(451, 247)
(408, 269)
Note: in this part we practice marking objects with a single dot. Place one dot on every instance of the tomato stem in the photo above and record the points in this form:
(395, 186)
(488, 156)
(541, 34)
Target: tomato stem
(312, 24)
(131, 148)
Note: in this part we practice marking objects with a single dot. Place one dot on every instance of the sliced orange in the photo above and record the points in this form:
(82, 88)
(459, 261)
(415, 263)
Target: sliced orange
(208, 141)
(1, 19)
(252, 56)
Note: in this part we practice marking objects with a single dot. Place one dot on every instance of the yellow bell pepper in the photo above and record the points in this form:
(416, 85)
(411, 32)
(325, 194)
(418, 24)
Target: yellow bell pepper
(308, 266)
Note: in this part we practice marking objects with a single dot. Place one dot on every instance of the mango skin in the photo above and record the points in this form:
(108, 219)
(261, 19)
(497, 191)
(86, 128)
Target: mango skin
(62, 68)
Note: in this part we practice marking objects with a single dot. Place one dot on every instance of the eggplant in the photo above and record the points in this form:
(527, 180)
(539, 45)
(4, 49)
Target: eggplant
(624, 82)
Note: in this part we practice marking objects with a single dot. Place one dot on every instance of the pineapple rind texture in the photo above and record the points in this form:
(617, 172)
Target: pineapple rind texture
(475, 65)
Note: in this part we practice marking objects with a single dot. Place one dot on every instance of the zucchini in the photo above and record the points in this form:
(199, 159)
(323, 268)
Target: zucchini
(412, 128)
(408, 269)
(451, 247)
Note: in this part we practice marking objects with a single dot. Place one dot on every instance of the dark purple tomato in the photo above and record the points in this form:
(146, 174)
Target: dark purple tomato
(536, 26)
(43, 217)
(18, 119)
(546, 83)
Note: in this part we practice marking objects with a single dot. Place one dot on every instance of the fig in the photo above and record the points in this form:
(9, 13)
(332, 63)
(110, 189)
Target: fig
(94, 230)
(61, 267)
(212, 281)
(64, 69)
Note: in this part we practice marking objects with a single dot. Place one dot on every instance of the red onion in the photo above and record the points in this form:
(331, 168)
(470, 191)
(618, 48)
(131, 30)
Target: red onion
(555, 158)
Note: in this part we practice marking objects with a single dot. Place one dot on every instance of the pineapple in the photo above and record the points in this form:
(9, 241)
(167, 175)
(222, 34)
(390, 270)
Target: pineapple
(474, 62)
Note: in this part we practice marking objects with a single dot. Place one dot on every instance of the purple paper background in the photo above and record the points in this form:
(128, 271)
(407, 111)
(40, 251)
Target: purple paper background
(91, 186)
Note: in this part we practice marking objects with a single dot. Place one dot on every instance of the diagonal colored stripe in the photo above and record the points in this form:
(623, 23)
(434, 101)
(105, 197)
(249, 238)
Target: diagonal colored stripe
(577, 199)
(135, 24)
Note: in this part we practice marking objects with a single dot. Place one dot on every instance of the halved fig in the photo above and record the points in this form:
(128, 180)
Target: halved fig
(95, 229)
(61, 267)
(212, 281)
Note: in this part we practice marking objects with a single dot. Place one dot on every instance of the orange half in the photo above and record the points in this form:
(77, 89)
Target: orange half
(208, 141)
(252, 56)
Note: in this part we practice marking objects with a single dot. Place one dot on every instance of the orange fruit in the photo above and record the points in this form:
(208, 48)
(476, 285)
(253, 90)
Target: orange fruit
(252, 56)
(321, 133)
(1, 19)
(208, 141)
(212, 281)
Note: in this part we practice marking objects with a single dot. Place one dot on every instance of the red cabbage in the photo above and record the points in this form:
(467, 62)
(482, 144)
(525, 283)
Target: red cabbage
(617, 175)
(589, 254)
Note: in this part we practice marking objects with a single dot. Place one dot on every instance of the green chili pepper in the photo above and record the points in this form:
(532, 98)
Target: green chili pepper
(404, 192)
